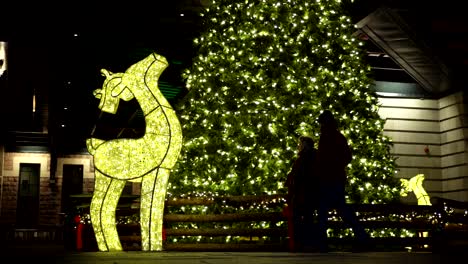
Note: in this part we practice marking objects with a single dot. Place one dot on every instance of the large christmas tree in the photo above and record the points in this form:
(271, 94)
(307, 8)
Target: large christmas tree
(263, 73)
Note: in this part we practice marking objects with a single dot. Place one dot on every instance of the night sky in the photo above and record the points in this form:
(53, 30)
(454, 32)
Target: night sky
(56, 50)
(57, 53)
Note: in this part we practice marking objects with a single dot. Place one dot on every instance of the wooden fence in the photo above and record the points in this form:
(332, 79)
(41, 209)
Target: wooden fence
(422, 228)
(262, 225)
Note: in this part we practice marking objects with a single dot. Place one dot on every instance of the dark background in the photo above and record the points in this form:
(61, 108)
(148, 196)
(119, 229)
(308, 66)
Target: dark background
(56, 52)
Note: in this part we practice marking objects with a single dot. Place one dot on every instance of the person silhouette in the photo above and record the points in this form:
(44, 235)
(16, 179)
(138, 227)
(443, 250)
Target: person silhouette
(333, 156)
(300, 199)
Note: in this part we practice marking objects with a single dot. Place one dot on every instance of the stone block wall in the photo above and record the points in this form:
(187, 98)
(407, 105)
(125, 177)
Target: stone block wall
(50, 192)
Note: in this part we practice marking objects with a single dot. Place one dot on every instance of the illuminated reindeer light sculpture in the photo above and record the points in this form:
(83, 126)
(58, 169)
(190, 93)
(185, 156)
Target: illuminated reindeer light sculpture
(415, 185)
(148, 159)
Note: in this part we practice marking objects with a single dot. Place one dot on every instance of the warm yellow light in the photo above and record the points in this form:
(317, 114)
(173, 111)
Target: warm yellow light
(148, 159)
(34, 103)
(3, 57)
(415, 185)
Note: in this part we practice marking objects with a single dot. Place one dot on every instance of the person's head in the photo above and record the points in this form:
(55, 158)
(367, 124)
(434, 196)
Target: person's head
(327, 120)
(305, 143)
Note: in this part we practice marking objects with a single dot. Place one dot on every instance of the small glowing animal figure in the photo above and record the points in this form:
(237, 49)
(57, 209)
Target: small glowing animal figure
(3, 57)
(148, 159)
(415, 185)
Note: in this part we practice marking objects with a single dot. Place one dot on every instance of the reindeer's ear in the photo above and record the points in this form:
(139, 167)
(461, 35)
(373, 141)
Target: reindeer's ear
(126, 94)
(405, 182)
(97, 93)
(121, 90)
(404, 190)
(106, 73)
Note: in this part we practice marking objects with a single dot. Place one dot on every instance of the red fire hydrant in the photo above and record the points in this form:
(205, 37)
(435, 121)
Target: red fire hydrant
(79, 233)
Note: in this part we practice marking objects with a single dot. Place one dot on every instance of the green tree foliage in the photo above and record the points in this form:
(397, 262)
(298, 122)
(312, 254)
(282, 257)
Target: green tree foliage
(263, 73)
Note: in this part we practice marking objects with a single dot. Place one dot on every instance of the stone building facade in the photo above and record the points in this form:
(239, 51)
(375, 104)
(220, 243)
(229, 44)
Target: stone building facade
(48, 190)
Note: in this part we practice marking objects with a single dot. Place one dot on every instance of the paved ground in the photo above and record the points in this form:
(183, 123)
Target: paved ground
(57, 254)
(245, 258)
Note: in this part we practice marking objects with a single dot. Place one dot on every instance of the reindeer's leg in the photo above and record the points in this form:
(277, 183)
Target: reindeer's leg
(105, 198)
(153, 193)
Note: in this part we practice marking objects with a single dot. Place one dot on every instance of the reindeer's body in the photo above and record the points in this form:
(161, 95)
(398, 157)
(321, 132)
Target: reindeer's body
(147, 159)
(415, 185)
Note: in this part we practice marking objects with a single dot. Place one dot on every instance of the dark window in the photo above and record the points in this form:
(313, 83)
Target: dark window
(72, 185)
(27, 213)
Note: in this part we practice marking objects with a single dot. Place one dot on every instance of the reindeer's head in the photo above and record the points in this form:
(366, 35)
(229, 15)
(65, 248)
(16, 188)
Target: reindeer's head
(114, 88)
(3, 62)
(405, 187)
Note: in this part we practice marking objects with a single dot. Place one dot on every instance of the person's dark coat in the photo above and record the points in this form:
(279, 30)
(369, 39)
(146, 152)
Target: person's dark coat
(301, 180)
(333, 155)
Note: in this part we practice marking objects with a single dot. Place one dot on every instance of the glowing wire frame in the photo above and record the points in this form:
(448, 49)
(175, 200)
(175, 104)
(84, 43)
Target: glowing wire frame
(415, 185)
(148, 159)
